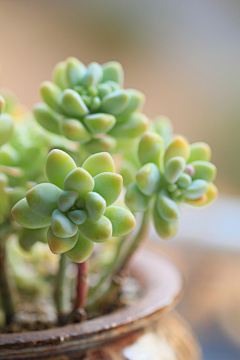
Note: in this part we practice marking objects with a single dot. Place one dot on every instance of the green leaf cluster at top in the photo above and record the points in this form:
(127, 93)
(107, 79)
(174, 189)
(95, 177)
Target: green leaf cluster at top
(172, 172)
(86, 103)
(76, 204)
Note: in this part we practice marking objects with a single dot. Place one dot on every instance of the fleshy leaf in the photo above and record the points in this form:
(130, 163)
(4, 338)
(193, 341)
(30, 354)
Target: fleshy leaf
(199, 151)
(82, 250)
(174, 168)
(79, 180)
(136, 102)
(135, 199)
(99, 163)
(122, 220)
(61, 226)
(99, 123)
(104, 143)
(95, 205)
(165, 229)
(184, 180)
(78, 217)
(75, 71)
(59, 165)
(74, 130)
(204, 170)
(148, 179)
(59, 75)
(67, 199)
(98, 231)
(73, 104)
(178, 146)
(134, 126)
(6, 128)
(113, 70)
(115, 102)
(93, 75)
(51, 94)
(151, 149)
(109, 186)
(59, 245)
(27, 218)
(42, 199)
(196, 189)
(47, 118)
(167, 208)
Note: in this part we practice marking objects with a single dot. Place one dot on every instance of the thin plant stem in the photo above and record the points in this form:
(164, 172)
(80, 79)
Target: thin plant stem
(5, 289)
(59, 288)
(79, 313)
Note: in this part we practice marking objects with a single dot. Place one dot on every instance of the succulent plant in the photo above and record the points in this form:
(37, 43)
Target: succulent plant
(90, 106)
(170, 174)
(77, 204)
(6, 123)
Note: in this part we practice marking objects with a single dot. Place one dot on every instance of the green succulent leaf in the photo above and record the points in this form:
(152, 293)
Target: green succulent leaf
(134, 126)
(115, 102)
(59, 75)
(196, 189)
(113, 70)
(75, 71)
(61, 226)
(99, 163)
(178, 146)
(93, 75)
(135, 199)
(82, 250)
(98, 231)
(73, 104)
(47, 118)
(104, 89)
(109, 186)
(51, 95)
(27, 218)
(128, 172)
(122, 220)
(204, 170)
(151, 149)
(79, 180)
(184, 180)
(59, 165)
(199, 151)
(28, 237)
(42, 199)
(9, 156)
(104, 143)
(174, 168)
(99, 123)
(15, 194)
(59, 245)
(78, 217)
(95, 205)
(148, 179)
(74, 130)
(136, 102)
(165, 229)
(6, 128)
(67, 199)
(167, 208)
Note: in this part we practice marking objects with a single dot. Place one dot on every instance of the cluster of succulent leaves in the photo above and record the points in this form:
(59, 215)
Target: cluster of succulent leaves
(89, 105)
(172, 171)
(76, 205)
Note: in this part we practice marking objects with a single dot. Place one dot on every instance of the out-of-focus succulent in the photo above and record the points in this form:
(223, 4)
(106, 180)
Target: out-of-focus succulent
(90, 106)
(77, 204)
(171, 173)
(6, 123)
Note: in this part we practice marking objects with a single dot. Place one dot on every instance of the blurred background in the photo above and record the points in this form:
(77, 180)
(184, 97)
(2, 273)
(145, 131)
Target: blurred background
(184, 56)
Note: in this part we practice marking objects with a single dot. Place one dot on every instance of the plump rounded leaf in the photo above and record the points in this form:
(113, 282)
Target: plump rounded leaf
(122, 220)
(174, 168)
(201, 201)
(167, 208)
(184, 180)
(99, 123)
(73, 104)
(79, 180)
(134, 126)
(61, 226)
(9, 156)
(95, 205)
(196, 189)
(98, 231)
(113, 70)
(15, 194)
(47, 118)
(98, 163)
(59, 75)
(178, 146)
(115, 102)
(78, 217)
(42, 198)
(151, 149)
(211, 195)
(135, 199)
(128, 172)
(162, 126)
(27, 218)
(104, 143)
(82, 250)
(6, 128)
(165, 229)
(67, 199)
(74, 130)
(136, 102)
(104, 89)
(148, 179)
(59, 165)
(204, 170)
(51, 95)
(93, 75)
(28, 237)
(199, 151)
(75, 71)
(109, 186)
(59, 245)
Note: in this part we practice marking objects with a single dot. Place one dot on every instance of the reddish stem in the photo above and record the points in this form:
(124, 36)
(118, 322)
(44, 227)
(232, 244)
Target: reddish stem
(82, 286)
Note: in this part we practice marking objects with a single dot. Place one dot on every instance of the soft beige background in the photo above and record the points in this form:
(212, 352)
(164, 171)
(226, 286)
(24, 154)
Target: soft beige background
(183, 55)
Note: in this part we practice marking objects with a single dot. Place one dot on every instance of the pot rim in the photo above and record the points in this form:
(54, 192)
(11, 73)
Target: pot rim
(163, 284)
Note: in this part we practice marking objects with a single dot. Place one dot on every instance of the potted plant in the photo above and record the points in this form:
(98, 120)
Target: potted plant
(82, 177)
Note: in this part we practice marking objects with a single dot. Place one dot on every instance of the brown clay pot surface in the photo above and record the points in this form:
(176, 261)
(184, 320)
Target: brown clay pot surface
(147, 328)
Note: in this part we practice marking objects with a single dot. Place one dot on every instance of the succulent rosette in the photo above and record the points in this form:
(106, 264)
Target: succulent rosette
(171, 173)
(90, 106)
(76, 204)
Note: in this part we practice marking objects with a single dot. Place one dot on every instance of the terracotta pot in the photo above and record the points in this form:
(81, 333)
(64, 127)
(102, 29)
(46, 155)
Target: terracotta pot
(146, 330)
